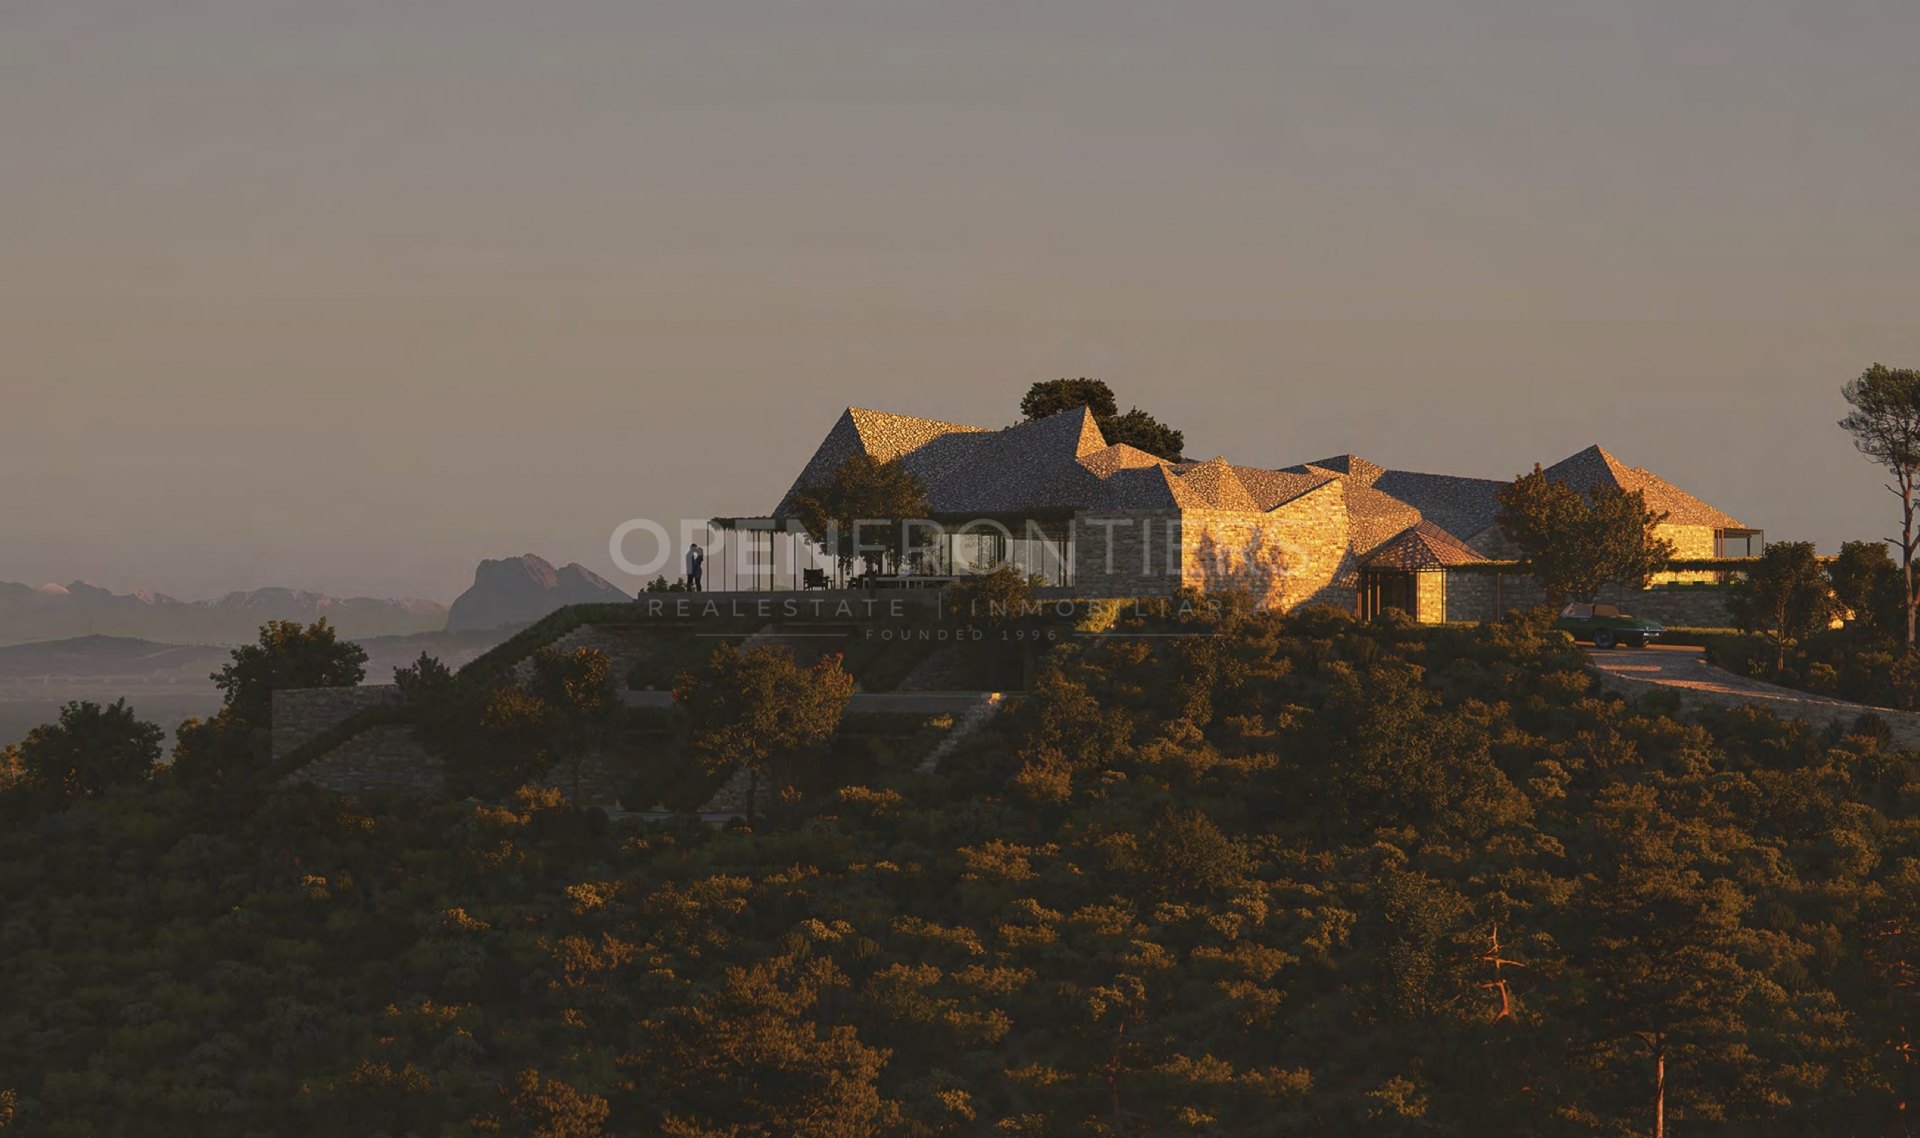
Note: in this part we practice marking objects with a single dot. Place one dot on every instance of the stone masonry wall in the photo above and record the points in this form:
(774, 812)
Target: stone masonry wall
(1430, 596)
(625, 645)
(390, 759)
(1126, 553)
(1690, 542)
(1295, 554)
(378, 760)
(1472, 596)
(301, 714)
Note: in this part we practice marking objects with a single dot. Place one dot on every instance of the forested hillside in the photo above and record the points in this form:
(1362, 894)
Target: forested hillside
(1283, 875)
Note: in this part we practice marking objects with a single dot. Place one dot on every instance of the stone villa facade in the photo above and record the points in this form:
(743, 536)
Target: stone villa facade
(1113, 520)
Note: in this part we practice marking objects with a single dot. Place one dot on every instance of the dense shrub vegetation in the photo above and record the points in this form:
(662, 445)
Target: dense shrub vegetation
(1787, 606)
(1854, 664)
(1285, 875)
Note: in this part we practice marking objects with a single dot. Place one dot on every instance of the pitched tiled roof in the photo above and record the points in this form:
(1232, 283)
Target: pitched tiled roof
(887, 436)
(1139, 488)
(1119, 456)
(1353, 466)
(970, 469)
(1373, 517)
(1214, 486)
(1033, 464)
(1595, 467)
(1062, 461)
(1423, 546)
(929, 446)
(1271, 488)
(1461, 506)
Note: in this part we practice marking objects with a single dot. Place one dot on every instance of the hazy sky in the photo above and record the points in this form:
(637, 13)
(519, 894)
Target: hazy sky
(348, 294)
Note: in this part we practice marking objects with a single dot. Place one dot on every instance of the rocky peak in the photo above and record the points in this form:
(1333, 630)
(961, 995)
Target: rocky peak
(518, 590)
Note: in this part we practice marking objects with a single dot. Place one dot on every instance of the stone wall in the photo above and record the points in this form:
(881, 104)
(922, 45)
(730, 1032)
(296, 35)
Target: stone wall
(1430, 596)
(1126, 553)
(1691, 543)
(732, 797)
(626, 645)
(301, 714)
(603, 777)
(1295, 554)
(1476, 595)
(390, 759)
(379, 760)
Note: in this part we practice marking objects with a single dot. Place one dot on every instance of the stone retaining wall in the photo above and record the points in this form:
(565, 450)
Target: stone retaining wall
(390, 759)
(625, 645)
(304, 713)
(378, 760)
(603, 778)
(1474, 596)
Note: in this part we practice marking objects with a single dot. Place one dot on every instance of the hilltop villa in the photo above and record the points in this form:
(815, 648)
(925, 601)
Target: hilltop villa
(1113, 520)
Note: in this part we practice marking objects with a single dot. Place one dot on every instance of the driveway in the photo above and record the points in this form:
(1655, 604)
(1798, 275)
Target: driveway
(1685, 670)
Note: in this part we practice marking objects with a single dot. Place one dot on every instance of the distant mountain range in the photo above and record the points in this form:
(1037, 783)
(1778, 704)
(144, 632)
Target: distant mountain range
(60, 612)
(169, 682)
(509, 591)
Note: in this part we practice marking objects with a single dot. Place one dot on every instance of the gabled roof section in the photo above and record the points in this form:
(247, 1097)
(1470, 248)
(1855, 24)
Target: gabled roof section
(1119, 456)
(1027, 465)
(1064, 462)
(1353, 466)
(1214, 486)
(1461, 506)
(883, 436)
(841, 444)
(1595, 467)
(1373, 517)
(1271, 488)
(1423, 546)
(1142, 488)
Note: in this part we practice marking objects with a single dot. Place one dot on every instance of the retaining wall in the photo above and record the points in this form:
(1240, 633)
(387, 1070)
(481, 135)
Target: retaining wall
(1474, 596)
(301, 714)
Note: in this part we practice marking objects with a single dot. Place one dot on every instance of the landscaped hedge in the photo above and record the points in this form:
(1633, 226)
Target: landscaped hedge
(1695, 637)
(1852, 664)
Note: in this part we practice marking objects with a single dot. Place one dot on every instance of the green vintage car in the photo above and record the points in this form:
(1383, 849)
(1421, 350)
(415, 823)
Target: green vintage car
(1607, 626)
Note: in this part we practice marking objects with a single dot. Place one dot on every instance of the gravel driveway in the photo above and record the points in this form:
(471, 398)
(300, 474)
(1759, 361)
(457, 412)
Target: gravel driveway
(1686, 671)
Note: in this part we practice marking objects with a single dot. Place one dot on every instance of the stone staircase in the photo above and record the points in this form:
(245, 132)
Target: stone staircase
(969, 721)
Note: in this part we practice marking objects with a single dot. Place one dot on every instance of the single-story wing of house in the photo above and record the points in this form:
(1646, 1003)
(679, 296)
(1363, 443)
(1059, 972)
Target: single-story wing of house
(1113, 520)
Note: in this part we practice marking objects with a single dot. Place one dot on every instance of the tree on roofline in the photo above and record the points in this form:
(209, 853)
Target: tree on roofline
(1135, 427)
(1576, 543)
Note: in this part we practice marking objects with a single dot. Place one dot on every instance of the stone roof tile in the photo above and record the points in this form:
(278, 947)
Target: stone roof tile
(1595, 467)
(1063, 461)
(1423, 546)
(1462, 506)
(1353, 466)
(1272, 488)
(1215, 485)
